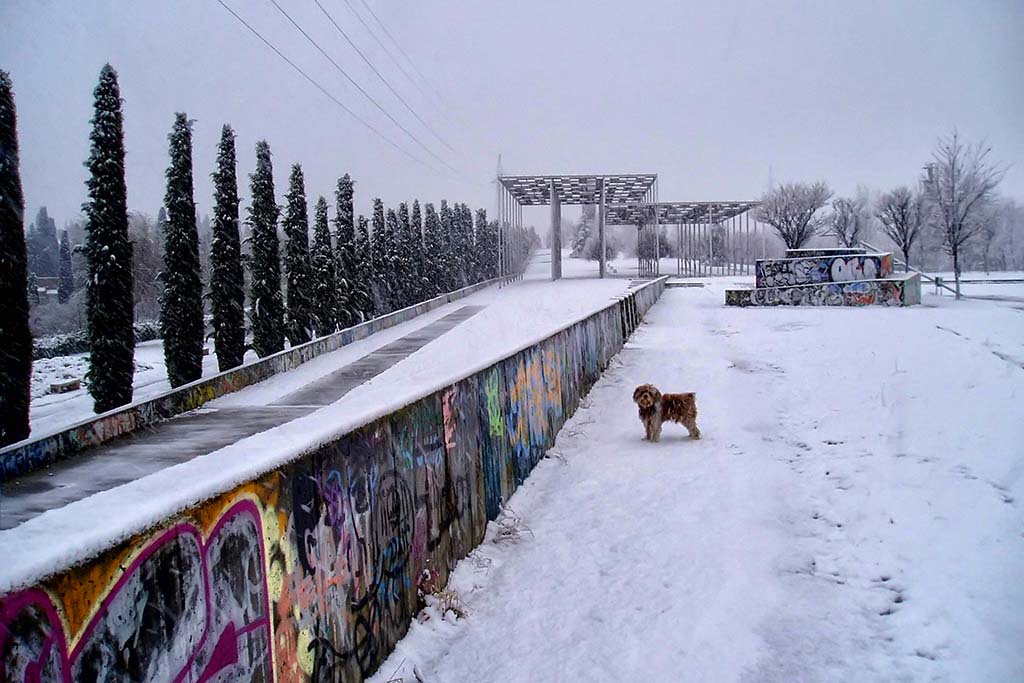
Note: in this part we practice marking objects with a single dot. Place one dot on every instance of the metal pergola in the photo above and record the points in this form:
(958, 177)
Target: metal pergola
(517, 191)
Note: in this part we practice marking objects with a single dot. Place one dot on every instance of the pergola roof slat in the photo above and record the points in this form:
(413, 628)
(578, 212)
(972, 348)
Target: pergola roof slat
(578, 189)
(670, 213)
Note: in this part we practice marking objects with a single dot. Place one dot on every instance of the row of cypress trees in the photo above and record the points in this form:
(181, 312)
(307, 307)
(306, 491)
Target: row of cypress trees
(339, 280)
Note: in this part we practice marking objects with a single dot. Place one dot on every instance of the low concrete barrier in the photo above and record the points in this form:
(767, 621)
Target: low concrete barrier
(307, 570)
(39, 451)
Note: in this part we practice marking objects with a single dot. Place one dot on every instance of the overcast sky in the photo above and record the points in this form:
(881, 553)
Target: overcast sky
(710, 95)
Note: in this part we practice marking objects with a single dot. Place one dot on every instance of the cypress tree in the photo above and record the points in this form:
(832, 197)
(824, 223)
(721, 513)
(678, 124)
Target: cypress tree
(325, 289)
(66, 284)
(423, 291)
(181, 304)
(15, 335)
(109, 253)
(267, 305)
(380, 251)
(394, 260)
(481, 247)
(346, 269)
(227, 286)
(445, 256)
(432, 248)
(405, 264)
(296, 260)
(364, 267)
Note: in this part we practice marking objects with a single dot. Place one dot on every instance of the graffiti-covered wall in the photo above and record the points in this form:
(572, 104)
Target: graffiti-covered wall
(818, 268)
(310, 572)
(902, 290)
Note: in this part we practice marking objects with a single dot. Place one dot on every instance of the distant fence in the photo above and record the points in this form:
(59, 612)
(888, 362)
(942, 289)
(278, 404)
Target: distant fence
(39, 451)
(309, 572)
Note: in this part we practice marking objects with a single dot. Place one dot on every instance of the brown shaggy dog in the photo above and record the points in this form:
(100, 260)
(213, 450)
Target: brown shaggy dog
(656, 408)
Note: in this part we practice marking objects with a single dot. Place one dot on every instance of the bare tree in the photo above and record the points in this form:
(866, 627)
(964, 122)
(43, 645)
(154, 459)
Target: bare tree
(960, 185)
(849, 220)
(792, 210)
(903, 215)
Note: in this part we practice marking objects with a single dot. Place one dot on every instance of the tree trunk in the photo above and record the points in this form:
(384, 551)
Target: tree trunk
(956, 270)
(906, 259)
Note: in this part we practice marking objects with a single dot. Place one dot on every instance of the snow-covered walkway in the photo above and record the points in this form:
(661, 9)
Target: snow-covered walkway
(853, 512)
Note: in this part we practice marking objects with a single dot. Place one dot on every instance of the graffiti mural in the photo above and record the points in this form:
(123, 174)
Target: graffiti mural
(818, 269)
(901, 291)
(183, 608)
(309, 573)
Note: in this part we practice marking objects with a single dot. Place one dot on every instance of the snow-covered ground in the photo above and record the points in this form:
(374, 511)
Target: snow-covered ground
(853, 512)
(50, 412)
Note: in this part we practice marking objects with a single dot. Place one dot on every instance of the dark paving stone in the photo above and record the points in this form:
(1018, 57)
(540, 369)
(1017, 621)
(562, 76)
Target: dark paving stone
(332, 387)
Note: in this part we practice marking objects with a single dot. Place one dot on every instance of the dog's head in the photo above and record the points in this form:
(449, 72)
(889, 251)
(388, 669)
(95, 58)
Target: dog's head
(646, 395)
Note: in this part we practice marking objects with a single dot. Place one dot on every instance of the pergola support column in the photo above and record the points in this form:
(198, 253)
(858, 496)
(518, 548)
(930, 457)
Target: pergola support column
(556, 233)
(602, 258)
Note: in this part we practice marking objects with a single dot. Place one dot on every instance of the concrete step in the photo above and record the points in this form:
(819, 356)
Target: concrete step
(897, 290)
(807, 270)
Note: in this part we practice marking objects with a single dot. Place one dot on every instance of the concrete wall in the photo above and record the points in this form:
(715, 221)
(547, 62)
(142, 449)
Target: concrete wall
(310, 572)
(815, 269)
(39, 451)
(896, 291)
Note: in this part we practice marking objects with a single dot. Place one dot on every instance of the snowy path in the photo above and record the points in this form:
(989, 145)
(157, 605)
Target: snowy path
(853, 512)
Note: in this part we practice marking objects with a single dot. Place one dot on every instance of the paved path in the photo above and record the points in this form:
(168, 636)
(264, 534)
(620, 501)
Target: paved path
(198, 432)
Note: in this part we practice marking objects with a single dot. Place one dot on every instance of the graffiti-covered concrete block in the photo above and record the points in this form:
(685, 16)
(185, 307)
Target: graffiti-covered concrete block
(899, 290)
(808, 270)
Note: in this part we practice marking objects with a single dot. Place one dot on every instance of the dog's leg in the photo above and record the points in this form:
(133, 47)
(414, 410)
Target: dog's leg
(657, 432)
(691, 426)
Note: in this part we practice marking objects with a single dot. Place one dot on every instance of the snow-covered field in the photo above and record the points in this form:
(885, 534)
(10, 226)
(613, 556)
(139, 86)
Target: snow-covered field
(853, 512)
(50, 412)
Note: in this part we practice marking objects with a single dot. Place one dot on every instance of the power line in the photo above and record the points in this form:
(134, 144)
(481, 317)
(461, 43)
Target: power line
(360, 89)
(399, 46)
(381, 77)
(325, 92)
(384, 47)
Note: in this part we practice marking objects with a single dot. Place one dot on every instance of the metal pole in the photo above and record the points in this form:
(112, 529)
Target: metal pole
(601, 259)
(501, 240)
(556, 233)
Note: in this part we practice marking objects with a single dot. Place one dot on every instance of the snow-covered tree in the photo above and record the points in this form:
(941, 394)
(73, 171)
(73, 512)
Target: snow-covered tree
(903, 214)
(392, 250)
(181, 304)
(296, 261)
(267, 304)
(381, 250)
(432, 248)
(406, 267)
(325, 289)
(43, 259)
(445, 257)
(227, 286)
(66, 284)
(364, 266)
(849, 221)
(792, 209)
(486, 247)
(15, 335)
(347, 271)
(419, 254)
(960, 185)
(109, 252)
